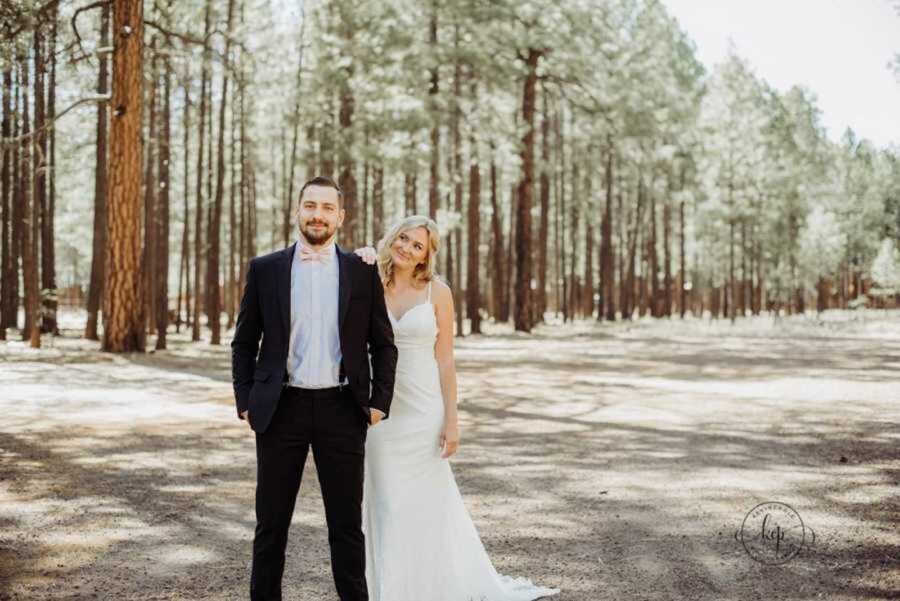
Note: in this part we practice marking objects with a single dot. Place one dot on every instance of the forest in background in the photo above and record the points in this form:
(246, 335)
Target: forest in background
(578, 157)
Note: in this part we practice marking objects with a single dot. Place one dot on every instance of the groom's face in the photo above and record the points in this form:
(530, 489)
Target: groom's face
(319, 214)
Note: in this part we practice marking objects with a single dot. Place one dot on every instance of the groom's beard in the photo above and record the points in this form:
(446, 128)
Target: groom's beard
(320, 236)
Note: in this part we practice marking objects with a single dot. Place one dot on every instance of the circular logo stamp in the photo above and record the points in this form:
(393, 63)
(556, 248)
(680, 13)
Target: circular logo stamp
(772, 533)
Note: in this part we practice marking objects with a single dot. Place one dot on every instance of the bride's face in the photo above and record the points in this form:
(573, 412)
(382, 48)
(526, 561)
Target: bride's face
(410, 248)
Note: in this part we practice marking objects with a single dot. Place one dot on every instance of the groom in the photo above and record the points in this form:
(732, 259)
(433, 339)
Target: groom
(317, 307)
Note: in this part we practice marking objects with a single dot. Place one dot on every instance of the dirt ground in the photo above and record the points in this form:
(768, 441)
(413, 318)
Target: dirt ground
(615, 462)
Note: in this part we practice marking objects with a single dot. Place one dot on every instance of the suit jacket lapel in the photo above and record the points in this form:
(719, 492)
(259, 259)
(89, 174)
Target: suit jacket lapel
(344, 285)
(283, 287)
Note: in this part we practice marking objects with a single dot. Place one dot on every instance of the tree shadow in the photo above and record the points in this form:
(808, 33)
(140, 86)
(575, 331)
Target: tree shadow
(617, 464)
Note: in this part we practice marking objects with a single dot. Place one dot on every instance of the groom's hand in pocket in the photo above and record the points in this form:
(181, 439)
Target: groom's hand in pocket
(245, 415)
(376, 414)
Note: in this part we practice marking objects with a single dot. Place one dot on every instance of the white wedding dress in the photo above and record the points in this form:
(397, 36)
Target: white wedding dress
(421, 543)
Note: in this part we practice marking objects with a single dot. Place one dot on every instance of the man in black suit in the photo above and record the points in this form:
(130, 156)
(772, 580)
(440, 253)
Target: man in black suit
(317, 308)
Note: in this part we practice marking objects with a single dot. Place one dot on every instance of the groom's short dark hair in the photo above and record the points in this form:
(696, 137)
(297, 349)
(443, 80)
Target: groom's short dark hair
(325, 182)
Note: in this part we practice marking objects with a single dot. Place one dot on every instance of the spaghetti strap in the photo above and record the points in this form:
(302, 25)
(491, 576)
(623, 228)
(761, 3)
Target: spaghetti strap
(428, 298)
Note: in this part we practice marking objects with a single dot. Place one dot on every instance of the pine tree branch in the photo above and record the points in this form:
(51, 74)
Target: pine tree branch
(74, 22)
(15, 141)
(189, 39)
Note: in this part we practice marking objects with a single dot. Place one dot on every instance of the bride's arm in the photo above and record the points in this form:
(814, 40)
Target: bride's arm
(442, 298)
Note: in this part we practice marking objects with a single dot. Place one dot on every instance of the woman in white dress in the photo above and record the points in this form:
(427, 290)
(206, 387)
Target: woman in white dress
(421, 542)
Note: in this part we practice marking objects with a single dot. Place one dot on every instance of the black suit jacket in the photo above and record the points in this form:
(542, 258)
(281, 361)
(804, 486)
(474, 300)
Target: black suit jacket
(258, 373)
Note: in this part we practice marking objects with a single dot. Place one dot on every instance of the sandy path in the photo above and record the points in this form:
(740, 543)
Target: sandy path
(614, 462)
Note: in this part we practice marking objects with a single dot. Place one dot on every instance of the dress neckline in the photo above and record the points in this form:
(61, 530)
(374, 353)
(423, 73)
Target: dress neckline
(408, 311)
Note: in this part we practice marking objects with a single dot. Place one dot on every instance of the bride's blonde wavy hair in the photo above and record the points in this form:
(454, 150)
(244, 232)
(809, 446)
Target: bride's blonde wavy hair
(423, 272)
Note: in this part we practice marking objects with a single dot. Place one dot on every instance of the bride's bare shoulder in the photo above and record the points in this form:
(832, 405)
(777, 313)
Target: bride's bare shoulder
(440, 291)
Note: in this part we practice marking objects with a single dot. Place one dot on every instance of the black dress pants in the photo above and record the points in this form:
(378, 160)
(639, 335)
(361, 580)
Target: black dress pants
(330, 422)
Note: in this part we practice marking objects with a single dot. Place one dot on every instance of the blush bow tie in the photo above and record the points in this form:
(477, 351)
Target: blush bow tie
(321, 256)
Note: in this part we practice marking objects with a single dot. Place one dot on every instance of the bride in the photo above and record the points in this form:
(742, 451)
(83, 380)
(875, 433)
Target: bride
(421, 542)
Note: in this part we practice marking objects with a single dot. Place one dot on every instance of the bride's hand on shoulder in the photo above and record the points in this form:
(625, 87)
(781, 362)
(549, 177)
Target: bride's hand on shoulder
(449, 439)
(367, 254)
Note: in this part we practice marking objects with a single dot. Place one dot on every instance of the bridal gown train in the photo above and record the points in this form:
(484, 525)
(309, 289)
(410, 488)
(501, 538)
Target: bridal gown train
(421, 543)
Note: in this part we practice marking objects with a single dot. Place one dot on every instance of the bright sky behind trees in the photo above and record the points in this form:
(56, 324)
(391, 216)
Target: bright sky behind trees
(839, 49)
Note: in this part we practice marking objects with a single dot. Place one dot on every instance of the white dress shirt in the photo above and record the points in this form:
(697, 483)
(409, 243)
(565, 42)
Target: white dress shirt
(314, 348)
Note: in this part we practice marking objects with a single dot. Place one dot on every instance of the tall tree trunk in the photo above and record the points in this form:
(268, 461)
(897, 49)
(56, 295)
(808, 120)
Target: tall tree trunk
(311, 157)
(184, 277)
(628, 302)
(562, 301)
(326, 139)
(653, 257)
(576, 202)
(458, 292)
(473, 291)
(667, 255)
(448, 206)
(48, 222)
(751, 268)
(30, 226)
(148, 258)
(620, 224)
(346, 164)
(543, 233)
(285, 208)
(162, 207)
(730, 296)
(433, 182)
(523, 223)
(209, 290)
(378, 203)
(557, 220)
(822, 294)
(729, 292)
(290, 201)
(588, 292)
(450, 270)
(364, 208)
(760, 281)
(557, 244)
(725, 300)
(215, 223)
(199, 256)
(251, 211)
(623, 236)
(244, 196)
(643, 281)
(454, 239)
(498, 282)
(123, 329)
(715, 300)
(743, 285)
(509, 268)
(231, 293)
(607, 309)
(8, 273)
(682, 290)
(16, 200)
(40, 181)
(409, 191)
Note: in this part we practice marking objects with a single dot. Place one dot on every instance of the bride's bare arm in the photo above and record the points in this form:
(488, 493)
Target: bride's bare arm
(442, 298)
